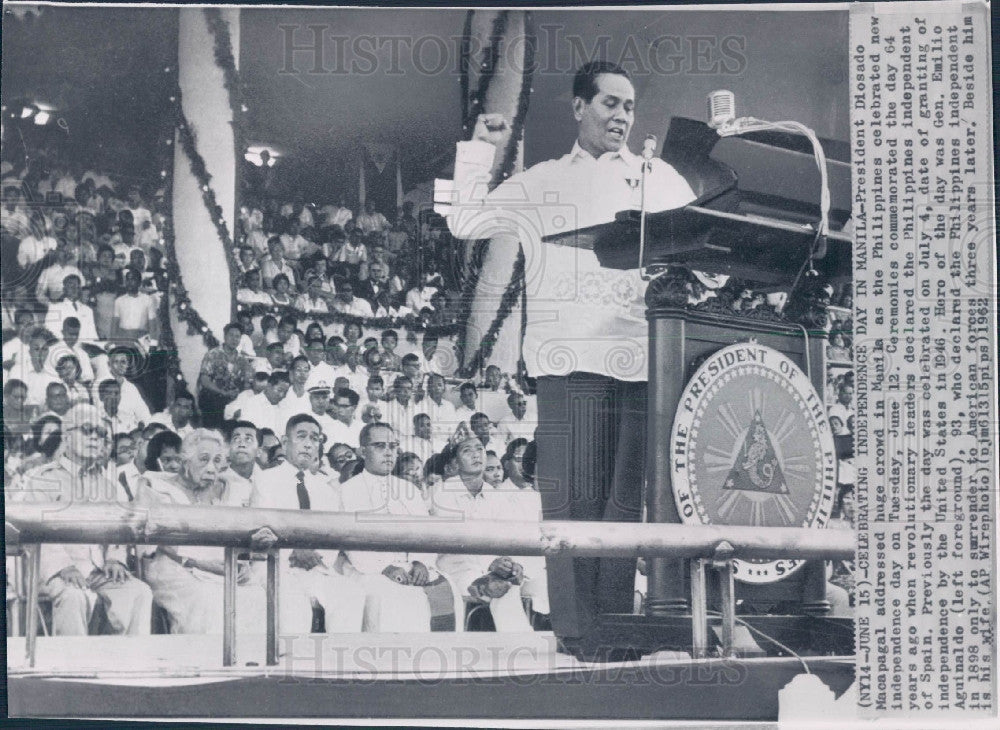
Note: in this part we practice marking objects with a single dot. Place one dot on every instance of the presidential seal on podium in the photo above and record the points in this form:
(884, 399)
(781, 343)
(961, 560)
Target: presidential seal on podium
(751, 445)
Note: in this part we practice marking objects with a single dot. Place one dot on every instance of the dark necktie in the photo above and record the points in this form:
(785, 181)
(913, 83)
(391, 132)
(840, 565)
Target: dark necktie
(300, 489)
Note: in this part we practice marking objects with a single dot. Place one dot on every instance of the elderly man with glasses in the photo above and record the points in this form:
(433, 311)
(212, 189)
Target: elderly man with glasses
(79, 578)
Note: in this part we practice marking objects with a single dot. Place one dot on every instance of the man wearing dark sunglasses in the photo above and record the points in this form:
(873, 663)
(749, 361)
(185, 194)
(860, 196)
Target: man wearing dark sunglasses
(79, 578)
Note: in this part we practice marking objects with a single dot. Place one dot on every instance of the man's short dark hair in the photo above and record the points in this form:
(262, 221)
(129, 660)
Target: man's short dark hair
(468, 386)
(369, 427)
(229, 428)
(288, 319)
(390, 333)
(71, 322)
(410, 358)
(585, 80)
(349, 394)
(152, 429)
(71, 276)
(301, 418)
(52, 385)
(278, 376)
(376, 380)
(479, 417)
(232, 326)
(107, 385)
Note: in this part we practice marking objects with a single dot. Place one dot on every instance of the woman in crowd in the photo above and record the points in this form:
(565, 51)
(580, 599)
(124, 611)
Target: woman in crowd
(411, 468)
(282, 295)
(164, 453)
(43, 447)
(352, 333)
(314, 331)
(188, 581)
(68, 369)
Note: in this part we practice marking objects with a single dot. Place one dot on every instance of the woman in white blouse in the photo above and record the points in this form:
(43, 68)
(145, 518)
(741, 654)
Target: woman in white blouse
(188, 581)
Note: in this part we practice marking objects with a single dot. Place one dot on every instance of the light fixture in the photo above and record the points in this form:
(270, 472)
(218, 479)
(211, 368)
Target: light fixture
(253, 155)
(41, 118)
(26, 112)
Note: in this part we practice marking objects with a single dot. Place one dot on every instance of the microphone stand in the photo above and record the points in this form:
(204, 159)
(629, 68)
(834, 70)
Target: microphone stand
(647, 164)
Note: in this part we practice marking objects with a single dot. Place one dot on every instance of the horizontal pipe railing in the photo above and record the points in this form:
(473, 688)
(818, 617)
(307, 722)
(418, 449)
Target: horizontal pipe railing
(29, 525)
(233, 527)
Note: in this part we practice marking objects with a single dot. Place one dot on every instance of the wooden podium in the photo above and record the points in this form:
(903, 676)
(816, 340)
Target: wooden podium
(681, 337)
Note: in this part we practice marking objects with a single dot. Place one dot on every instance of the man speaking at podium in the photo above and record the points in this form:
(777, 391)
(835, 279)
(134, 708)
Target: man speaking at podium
(586, 334)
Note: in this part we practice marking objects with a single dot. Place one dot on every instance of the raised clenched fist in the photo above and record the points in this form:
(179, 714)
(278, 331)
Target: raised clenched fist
(491, 128)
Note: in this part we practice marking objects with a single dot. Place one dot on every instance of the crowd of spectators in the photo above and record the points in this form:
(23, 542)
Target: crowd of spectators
(295, 409)
(332, 259)
(287, 412)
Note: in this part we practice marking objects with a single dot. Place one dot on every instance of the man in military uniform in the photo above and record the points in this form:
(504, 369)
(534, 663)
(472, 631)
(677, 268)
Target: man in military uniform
(79, 577)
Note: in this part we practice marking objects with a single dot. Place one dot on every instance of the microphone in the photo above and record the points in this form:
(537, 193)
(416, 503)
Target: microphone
(648, 150)
(649, 147)
(721, 108)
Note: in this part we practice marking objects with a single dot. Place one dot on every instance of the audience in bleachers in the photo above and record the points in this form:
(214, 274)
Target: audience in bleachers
(82, 314)
(298, 407)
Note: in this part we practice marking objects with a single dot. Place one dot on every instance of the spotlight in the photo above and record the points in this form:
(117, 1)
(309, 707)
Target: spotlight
(42, 118)
(26, 112)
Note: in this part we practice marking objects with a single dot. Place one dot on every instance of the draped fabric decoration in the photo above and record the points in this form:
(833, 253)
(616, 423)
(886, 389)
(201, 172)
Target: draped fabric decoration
(380, 178)
(204, 172)
(496, 79)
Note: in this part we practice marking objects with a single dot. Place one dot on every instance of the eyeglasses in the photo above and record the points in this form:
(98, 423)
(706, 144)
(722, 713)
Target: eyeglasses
(89, 429)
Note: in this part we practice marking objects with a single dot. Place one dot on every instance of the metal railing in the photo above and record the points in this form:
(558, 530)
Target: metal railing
(29, 525)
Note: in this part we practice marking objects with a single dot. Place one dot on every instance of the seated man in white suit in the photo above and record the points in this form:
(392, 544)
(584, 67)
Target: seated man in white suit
(308, 576)
(465, 496)
(393, 580)
(78, 577)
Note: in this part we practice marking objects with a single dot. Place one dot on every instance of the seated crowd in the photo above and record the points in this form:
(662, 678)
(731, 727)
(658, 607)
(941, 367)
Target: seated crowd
(319, 260)
(286, 413)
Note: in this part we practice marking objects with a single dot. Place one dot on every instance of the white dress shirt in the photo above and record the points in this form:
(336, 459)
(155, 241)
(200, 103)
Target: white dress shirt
(131, 406)
(31, 250)
(581, 317)
(294, 404)
(59, 311)
(263, 414)
(444, 419)
(511, 428)
(322, 372)
(380, 499)
(358, 307)
(49, 287)
(452, 500)
(135, 312)
(164, 418)
(278, 491)
(340, 433)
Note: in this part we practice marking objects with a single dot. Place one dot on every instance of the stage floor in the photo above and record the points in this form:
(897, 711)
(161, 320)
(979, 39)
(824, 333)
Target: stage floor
(441, 675)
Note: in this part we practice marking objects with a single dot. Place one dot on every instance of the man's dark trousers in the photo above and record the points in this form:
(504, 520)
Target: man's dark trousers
(591, 465)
